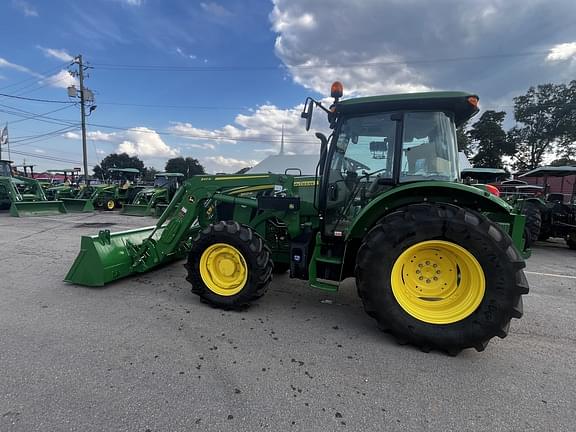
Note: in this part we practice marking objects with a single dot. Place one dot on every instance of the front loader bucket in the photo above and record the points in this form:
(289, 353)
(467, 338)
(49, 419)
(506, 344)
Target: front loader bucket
(106, 257)
(136, 210)
(36, 208)
(78, 205)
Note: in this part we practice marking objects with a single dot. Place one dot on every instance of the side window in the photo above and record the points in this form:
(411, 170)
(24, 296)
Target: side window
(428, 147)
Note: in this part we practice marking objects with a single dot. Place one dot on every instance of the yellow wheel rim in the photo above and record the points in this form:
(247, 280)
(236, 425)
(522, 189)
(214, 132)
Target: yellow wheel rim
(438, 282)
(110, 204)
(223, 269)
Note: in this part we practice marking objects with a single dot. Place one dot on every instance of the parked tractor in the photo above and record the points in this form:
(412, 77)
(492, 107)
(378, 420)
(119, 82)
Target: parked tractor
(67, 189)
(438, 264)
(147, 200)
(108, 196)
(523, 197)
(557, 211)
(24, 196)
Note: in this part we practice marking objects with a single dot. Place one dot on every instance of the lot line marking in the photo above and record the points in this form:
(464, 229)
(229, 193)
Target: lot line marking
(552, 275)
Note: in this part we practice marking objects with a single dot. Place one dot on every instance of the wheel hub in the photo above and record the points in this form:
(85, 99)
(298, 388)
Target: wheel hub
(438, 282)
(223, 269)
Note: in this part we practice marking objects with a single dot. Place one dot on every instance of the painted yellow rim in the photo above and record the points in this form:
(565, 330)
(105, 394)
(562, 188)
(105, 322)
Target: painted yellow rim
(110, 204)
(223, 269)
(438, 282)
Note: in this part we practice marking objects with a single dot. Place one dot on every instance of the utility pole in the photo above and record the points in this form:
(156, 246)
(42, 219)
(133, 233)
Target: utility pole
(83, 115)
(86, 95)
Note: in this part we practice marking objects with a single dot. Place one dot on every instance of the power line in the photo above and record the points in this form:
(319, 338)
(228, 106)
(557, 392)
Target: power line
(38, 117)
(232, 68)
(50, 158)
(36, 100)
(47, 71)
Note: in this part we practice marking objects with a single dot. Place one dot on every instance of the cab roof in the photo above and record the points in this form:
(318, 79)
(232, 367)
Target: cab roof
(126, 170)
(455, 102)
(168, 174)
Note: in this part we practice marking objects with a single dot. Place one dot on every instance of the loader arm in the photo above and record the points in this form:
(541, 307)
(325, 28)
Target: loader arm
(110, 256)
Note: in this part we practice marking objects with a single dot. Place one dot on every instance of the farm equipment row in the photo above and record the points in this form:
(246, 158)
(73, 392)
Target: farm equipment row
(24, 196)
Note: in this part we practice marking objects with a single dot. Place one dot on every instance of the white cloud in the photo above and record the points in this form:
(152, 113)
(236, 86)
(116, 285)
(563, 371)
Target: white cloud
(145, 142)
(94, 136)
(26, 8)
(99, 151)
(185, 55)
(62, 79)
(316, 57)
(59, 54)
(215, 9)
(224, 164)
(39, 151)
(205, 146)
(138, 141)
(562, 52)
(136, 3)
(8, 65)
(262, 126)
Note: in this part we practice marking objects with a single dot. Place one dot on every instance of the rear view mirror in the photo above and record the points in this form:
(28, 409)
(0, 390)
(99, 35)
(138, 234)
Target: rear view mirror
(323, 150)
(307, 112)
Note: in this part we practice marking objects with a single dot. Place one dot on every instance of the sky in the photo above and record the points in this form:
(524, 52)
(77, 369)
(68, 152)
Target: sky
(218, 80)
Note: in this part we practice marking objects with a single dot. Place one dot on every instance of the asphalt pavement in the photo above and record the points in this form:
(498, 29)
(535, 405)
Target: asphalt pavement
(144, 354)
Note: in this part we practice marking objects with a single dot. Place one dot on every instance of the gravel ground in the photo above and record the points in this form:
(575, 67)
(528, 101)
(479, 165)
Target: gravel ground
(144, 354)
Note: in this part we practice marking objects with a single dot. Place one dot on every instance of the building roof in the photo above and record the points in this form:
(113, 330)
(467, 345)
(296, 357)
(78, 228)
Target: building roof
(551, 171)
(278, 164)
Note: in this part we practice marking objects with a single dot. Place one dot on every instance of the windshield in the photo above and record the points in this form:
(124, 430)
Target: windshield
(366, 145)
(428, 147)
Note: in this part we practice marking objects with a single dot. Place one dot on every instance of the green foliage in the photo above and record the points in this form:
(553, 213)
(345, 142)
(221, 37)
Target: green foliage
(115, 160)
(188, 166)
(547, 118)
(463, 139)
(490, 141)
(149, 173)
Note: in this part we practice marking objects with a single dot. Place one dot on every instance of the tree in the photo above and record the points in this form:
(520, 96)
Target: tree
(115, 160)
(188, 166)
(490, 140)
(149, 173)
(563, 162)
(463, 139)
(547, 118)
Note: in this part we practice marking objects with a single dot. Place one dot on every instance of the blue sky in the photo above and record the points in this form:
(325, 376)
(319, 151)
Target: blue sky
(233, 72)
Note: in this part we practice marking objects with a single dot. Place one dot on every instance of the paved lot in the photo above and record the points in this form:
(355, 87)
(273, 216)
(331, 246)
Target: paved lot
(144, 354)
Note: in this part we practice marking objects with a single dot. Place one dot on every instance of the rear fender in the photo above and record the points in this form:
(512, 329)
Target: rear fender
(433, 191)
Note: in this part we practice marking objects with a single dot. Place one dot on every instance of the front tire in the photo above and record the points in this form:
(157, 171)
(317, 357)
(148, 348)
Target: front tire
(476, 293)
(229, 265)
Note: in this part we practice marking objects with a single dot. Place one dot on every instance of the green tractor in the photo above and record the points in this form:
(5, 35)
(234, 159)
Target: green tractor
(523, 197)
(67, 188)
(147, 200)
(558, 213)
(23, 195)
(438, 264)
(108, 196)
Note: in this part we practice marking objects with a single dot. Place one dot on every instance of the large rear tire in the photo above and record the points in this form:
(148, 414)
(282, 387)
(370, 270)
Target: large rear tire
(533, 222)
(440, 277)
(229, 265)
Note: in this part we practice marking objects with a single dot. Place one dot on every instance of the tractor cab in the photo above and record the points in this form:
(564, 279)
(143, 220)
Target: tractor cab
(168, 180)
(383, 142)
